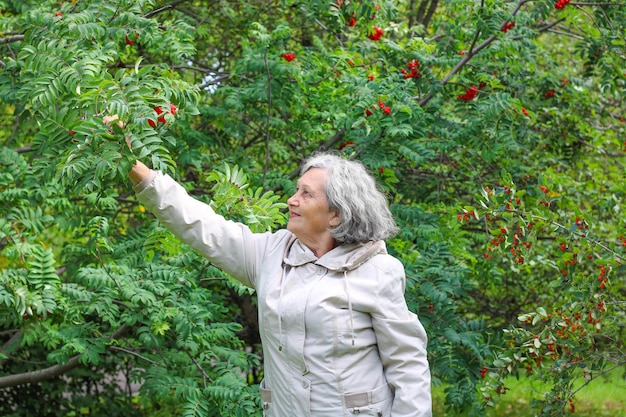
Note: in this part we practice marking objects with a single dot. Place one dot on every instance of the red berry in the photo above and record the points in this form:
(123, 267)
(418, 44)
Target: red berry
(376, 33)
(343, 145)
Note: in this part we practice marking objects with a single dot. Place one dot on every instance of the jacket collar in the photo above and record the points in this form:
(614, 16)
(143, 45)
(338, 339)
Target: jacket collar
(341, 258)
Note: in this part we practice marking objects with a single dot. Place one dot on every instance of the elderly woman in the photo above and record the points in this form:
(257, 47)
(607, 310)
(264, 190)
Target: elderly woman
(338, 338)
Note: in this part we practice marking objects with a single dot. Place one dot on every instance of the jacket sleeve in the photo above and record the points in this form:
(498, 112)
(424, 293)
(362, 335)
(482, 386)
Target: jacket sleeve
(402, 341)
(230, 246)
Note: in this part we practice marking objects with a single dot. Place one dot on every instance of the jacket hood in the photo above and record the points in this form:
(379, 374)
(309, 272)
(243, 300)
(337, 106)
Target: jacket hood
(342, 258)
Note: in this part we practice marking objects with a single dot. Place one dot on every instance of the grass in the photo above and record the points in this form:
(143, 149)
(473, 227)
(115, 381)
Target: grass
(603, 397)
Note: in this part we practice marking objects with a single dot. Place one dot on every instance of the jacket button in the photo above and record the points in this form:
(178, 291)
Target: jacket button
(305, 384)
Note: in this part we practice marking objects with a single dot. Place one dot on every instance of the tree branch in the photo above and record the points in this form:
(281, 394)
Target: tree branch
(172, 5)
(10, 39)
(324, 147)
(468, 56)
(34, 377)
(10, 345)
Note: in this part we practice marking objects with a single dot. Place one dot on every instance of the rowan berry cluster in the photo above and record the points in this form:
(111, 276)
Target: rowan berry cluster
(559, 4)
(352, 20)
(413, 72)
(376, 33)
(602, 278)
(381, 104)
(507, 26)
(129, 41)
(384, 108)
(470, 93)
(161, 113)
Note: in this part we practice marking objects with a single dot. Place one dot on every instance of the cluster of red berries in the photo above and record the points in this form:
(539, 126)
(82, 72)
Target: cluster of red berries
(352, 20)
(161, 113)
(129, 41)
(516, 254)
(501, 389)
(465, 216)
(581, 224)
(518, 245)
(376, 33)
(288, 57)
(572, 406)
(470, 93)
(623, 240)
(414, 73)
(560, 4)
(602, 277)
(544, 190)
(384, 108)
(381, 104)
(507, 26)
(573, 261)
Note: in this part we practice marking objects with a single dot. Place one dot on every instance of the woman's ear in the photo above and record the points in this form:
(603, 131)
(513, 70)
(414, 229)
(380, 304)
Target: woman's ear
(335, 219)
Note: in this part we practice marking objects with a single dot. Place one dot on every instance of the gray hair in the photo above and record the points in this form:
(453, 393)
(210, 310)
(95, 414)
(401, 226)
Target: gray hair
(352, 191)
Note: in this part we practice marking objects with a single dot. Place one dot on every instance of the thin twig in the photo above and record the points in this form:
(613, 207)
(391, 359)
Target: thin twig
(205, 376)
(130, 352)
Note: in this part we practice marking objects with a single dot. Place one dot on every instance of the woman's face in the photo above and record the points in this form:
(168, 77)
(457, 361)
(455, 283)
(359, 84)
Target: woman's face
(310, 218)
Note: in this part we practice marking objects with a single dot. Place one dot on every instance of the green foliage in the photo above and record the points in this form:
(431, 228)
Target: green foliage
(496, 129)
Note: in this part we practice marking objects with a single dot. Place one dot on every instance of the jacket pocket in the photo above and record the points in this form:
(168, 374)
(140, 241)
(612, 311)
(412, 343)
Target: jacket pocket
(266, 399)
(374, 403)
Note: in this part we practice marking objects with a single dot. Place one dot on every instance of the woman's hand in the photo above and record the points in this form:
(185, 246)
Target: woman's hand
(138, 172)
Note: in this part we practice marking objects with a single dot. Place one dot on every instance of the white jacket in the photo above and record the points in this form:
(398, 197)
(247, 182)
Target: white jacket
(338, 338)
